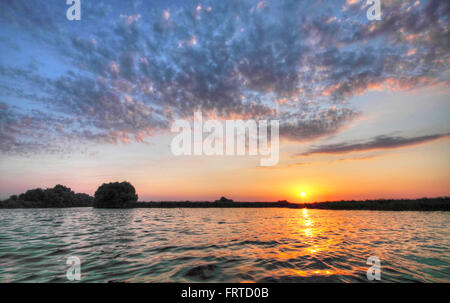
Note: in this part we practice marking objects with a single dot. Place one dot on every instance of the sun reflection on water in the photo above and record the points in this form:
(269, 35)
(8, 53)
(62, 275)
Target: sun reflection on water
(307, 222)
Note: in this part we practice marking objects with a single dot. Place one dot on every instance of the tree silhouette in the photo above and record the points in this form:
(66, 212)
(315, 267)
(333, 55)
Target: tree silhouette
(115, 195)
(58, 196)
(223, 199)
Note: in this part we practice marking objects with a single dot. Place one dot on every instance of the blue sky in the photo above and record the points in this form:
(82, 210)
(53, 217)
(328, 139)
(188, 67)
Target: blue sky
(116, 80)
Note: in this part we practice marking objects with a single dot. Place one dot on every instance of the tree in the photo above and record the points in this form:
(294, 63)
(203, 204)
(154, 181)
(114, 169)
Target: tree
(33, 195)
(115, 195)
(58, 196)
(223, 199)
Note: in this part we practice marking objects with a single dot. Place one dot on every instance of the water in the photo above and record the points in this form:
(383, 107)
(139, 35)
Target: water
(223, 245)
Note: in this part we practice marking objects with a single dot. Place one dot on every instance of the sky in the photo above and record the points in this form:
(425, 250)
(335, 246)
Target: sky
(363, 105)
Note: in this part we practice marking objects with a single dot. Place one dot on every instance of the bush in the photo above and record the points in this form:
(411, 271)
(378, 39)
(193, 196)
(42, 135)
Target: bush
(115, 195)
(224, 200)
(58, 196)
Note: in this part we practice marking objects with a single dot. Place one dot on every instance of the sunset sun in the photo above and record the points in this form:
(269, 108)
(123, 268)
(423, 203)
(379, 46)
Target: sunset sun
(302, 194)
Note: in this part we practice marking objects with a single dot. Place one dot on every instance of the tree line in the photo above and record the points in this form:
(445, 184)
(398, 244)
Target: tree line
(108, 195)
(123, 195)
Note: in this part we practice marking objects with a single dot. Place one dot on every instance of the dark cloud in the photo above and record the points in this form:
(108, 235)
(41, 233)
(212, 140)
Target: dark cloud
(379, 142)
(324, 123)
(35, 131)
(124, 73)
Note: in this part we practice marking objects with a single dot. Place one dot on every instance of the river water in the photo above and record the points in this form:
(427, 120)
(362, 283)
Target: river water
(223, 245)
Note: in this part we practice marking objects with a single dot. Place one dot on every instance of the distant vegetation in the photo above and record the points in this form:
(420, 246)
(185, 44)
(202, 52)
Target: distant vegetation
(123, 195)
(58, 196)
(419, 204)
(224, 200)
(115, 195)
(208, 204)
(425, 204)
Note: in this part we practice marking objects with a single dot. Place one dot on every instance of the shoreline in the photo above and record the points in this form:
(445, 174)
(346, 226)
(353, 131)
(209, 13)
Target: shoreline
(435, 204)
(425, 204)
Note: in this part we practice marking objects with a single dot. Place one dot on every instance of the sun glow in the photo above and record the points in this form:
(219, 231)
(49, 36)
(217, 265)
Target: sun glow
(302, 194)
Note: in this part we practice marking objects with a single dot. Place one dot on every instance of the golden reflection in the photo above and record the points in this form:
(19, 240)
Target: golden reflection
(314, 249)
(308, 232)
(308, 223)
(320, 272)
(311, 231)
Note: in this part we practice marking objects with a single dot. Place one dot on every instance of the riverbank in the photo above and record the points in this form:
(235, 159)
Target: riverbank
(425, 204)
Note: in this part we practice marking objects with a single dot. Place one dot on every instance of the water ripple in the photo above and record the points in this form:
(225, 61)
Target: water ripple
(223, 245)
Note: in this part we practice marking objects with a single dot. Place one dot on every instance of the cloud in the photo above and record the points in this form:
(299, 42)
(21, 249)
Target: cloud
(323, 123)
(125, 74)
(36, 131)
(377, 143)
